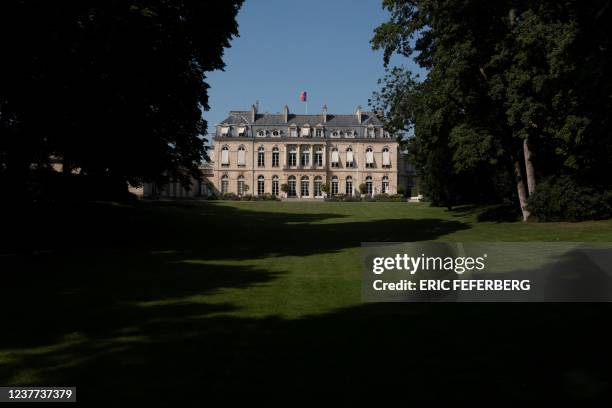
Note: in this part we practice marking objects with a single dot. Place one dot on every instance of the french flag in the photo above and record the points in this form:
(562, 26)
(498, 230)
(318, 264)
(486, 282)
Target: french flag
(303, 96)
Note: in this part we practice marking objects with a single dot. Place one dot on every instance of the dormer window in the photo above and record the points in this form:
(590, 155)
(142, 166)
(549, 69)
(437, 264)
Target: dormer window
(293, 132)
(275, 133)
(319, 133)
(305, 131)
(261, 133)
(225, 130)
(386, 135)
(335, 133)
(241, 131)
(350, 133)
(371, 133)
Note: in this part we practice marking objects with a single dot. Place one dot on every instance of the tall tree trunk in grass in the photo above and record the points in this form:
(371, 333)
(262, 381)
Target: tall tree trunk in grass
(529, 170)
(520, 188)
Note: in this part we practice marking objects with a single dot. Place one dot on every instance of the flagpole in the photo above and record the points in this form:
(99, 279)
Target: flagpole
(307, 107)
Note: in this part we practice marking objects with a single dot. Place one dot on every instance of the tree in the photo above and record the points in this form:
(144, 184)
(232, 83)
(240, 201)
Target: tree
(285, 188)
(115, 89)
(324, 188)
(504, 95)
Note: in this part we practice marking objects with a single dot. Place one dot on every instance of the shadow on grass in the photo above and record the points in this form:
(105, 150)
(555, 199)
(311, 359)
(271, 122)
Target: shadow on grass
(489, 213)
(123, 325)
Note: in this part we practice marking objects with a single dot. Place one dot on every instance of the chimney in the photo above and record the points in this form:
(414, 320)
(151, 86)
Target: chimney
(286, 113)
(324, 113)
(358, 113)
(253, 113)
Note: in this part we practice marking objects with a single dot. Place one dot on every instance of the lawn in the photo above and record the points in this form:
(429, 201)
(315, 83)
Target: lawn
(221, 300)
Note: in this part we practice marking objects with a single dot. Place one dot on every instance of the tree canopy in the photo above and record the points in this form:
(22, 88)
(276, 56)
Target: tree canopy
(516, 91)
(115, 89)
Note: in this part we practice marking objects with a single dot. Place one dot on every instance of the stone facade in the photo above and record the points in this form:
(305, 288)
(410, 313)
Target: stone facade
(257, 153)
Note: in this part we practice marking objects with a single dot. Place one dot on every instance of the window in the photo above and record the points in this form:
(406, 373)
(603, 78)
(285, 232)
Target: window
(224, 184)
(293, 132)
(318, 182)
(368, 184)
(385, 185)
(369, 158)
(334, 186)
(241, 131)
(335, 133)
(372, 133)
(319, 133)
(275, 186)
(386, 158)
(241, 156)
(349, 186)
(291, 183)
(225, 156)
(350, 160)
(305, 159)
(262, 133)
(275, 157)
(241, 185)
(306, 131)
(335, 158)
(319, 157)
(261, 157)
(225, 130)
(305, 185)
(293, 157)
(350, 133)
(386, 135)
(260, 185)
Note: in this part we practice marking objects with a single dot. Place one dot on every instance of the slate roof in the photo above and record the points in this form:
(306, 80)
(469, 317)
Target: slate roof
(277, 119)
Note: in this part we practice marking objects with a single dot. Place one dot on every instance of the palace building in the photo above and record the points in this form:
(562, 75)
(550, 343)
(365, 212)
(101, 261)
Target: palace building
(256, 153)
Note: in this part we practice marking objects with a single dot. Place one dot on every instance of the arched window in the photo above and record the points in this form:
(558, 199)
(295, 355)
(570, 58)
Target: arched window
(350, 133)
(241, 156)
(261, 157)
(335, 133)
(305, 156)
(260, 185)
(275, 133)
(224, 184)
(385, 185)
(349, 186)
(292, 159)
(275, 186)
(305, 187)
(319, 156)
(318, 182)
(291, 184)
(275, 156)
(225, 156)
(368, 183)
(241, 185)
(334, 185)
(261, 133)
(350, 159)
(369, 158)
(335, 157)
(386, 158)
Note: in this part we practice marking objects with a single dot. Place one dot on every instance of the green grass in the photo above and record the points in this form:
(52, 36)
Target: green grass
(263, 299)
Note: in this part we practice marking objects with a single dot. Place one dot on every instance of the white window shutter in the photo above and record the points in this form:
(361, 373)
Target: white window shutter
(241, 158)
(349, 156)
(386, 159)
(335, 158)
(224, 157)
(305, 131)
(370, 157)
(241, 129)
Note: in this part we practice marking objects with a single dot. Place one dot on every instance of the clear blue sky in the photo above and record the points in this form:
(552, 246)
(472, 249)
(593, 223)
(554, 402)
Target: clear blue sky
(320, 46)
